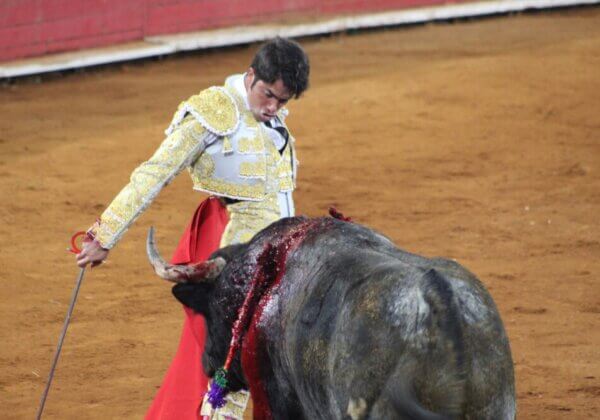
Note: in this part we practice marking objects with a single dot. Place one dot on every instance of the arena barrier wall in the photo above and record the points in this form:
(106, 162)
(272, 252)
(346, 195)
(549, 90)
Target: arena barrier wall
(145, 28)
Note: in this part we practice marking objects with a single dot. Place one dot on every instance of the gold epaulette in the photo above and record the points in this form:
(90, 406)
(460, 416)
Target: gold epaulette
(213, 108)
(216, 110)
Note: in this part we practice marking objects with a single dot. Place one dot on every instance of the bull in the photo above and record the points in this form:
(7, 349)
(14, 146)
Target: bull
(344, 324)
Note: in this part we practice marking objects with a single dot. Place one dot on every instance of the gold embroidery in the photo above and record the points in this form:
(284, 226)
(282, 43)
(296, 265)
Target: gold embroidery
(253, 169)
(286, 184)
(229, 189)
(227, 147)
(241, 103)
(284, 167)
(250, 121)
(218, 111)
(204, 167)
(235, 405)
(248, 218)
(196, 129)
(251, 145)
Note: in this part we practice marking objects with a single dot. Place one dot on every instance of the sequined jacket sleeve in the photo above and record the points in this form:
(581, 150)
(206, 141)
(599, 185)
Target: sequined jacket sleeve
(178, 151)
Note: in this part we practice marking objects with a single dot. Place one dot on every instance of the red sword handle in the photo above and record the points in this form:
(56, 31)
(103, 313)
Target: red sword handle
(74, 248)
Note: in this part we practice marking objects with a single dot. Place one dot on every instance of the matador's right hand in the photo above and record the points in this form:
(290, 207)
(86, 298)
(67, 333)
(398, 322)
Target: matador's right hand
(92, 253)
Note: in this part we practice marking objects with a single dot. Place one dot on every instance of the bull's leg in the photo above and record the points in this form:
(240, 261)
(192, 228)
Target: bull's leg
(489, 374)
(398, 403)
(393, 349)
(490, 385)
(398, 399)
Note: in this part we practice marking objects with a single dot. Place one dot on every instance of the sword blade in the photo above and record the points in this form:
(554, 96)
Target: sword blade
(60, 342)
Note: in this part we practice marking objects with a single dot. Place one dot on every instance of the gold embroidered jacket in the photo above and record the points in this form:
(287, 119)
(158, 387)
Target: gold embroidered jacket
(217, 139)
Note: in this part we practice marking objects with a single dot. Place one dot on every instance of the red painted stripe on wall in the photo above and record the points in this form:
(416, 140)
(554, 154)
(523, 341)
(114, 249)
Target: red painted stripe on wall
(36, 27)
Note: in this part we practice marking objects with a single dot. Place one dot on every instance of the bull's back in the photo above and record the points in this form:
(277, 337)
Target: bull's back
(362, 314)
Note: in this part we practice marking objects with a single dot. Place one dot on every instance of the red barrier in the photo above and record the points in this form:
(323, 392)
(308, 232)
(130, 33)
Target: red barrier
(36, 27)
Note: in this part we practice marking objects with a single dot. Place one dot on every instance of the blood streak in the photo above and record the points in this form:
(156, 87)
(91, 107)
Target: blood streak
(271, 265)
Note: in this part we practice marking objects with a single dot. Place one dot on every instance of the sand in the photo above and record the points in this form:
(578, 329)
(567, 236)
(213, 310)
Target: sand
(472, 140)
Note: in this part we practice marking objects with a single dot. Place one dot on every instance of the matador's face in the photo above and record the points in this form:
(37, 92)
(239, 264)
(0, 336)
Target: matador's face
(265, 99)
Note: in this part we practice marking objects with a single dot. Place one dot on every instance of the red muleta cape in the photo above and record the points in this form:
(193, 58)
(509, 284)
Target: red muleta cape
(184, 385)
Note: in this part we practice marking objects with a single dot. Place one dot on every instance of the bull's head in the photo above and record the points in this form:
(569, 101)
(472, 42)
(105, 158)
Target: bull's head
(216, 288)
(207, 287)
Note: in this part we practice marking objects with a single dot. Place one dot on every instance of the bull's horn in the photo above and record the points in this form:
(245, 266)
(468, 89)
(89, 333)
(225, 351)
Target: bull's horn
(196, 273)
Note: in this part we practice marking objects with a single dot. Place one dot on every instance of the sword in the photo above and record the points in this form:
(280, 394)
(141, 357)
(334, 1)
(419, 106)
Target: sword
(74, 250)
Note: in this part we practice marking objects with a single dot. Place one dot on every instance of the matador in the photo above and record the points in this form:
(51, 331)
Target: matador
(235, 144)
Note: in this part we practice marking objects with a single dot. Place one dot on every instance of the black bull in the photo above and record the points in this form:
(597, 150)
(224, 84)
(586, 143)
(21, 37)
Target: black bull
(346, 325)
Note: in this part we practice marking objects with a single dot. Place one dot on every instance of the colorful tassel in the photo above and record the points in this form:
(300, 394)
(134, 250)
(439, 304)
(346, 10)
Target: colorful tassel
(218, 389)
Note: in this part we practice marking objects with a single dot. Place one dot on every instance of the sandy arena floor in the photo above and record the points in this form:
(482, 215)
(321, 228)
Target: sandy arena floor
(475, 140)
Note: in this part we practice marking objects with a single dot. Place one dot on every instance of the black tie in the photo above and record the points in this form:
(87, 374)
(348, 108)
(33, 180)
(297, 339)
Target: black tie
(281, 130)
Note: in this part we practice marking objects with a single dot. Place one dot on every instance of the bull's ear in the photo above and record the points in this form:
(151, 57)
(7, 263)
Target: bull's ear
(192, 295)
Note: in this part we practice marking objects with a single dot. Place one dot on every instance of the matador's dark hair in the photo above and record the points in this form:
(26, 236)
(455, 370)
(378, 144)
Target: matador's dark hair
(284, 59)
